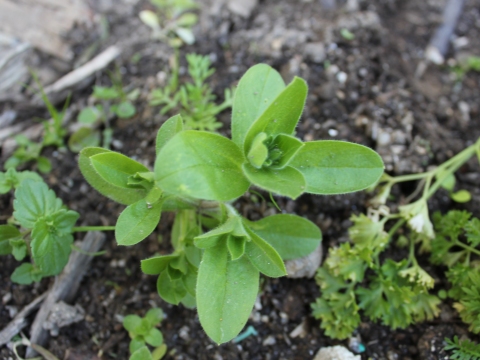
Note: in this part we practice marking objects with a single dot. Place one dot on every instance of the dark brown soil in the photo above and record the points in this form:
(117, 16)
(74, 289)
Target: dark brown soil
(424, 120)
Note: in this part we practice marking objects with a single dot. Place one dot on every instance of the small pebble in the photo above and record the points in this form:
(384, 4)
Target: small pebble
(269, 340)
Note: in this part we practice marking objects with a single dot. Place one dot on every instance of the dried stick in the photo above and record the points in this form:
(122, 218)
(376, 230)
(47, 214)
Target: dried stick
(20, 320)
(65, 286)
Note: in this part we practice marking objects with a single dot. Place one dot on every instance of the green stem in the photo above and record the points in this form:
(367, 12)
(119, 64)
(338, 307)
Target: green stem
(93, 228)
(469, 248)
(395, 227)
(410, 177)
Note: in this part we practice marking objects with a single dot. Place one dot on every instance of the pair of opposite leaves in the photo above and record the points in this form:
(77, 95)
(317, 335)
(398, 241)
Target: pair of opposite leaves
(263, 150)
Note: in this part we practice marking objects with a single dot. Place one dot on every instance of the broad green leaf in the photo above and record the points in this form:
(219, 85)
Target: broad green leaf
(168, 130)
(25, 274)
(135, 344)
(258, 153)
(461, 196)
(141, 353)
(105, 93)
(236, 246)
(33, 200)
(83, 138)
(213, 237)
(226, 293)
(19, 248)
(282, 116)
(174, 274)
(287, 181)
(291, 236)
(288, 146)
(180, 263)
(12, 179)
(337, 167)
(154, 337)
(194, 255)
(116, 168)
(89, 115)
(186, 35)
(52, 240)
(122, 194)
(44, 165)
(137, 221)
(125, 110)
(264, 257)
(7, 233)
(200, 165)
(257, 88)
(159, 352)
(157, 264)
(188, 19)
(154, 316)
(190, 280)
(172, 291)
(132, 322)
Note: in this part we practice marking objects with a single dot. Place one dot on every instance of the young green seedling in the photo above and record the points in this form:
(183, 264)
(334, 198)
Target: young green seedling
(143, 331)
(218, 254)
(114, 101)
(41, 227)
(194, 100)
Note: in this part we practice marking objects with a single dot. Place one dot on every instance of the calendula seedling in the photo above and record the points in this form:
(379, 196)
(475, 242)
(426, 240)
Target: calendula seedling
(218, 254)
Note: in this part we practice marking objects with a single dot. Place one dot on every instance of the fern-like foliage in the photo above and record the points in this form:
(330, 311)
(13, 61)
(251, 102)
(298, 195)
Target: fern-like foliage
(462, 350)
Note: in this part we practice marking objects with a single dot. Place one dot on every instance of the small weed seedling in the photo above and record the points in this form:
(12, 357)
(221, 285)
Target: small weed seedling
(41, 227)
(398, 293)
(143, 331)
(218, 254)
(114, 101)
(194, 100)
(53, 135)
(172, 21)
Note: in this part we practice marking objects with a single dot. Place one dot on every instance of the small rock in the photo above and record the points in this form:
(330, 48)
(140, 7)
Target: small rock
(335, 353)
(6, 298)
(305, 266)
(300, 330)
(269, 340)
(184, 333)
(243, 8)
(62, 315)
(315, 52)
(342, 77)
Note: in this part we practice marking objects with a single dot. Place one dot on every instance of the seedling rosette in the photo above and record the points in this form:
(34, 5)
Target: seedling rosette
(218, 254)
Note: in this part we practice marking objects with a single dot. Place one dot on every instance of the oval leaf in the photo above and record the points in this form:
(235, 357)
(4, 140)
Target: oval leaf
(226, 293)
(287, 182)
(122, 194)
(201, 165)
(172, 291)
(155, 265)
(282, 116)
(337, 167)
(168, 130)
(7, 233)
(461, 196)
(137, 221)
(292, 236)
(264, 257)
(257, 88)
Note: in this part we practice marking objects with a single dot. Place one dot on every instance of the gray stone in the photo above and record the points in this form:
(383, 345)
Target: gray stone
(305, 266)
(335, 353)
(243, 8)
(315, 52)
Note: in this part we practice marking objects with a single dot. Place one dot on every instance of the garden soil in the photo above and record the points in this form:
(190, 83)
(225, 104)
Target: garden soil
(364, 89)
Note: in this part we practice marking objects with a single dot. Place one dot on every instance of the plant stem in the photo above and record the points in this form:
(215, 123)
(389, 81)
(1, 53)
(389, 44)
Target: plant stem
(469, 248)
(93, 228)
